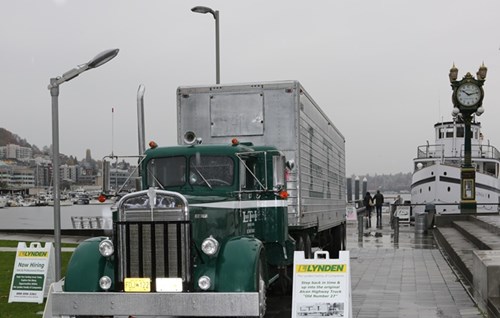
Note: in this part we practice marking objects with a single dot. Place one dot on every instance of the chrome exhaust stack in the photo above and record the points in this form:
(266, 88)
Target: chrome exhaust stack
(140, 119)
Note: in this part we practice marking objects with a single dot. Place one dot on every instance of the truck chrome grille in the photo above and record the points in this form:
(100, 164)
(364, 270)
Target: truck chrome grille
(153, 243)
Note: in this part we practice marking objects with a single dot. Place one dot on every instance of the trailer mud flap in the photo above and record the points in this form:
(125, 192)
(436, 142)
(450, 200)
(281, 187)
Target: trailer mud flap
(153, 304)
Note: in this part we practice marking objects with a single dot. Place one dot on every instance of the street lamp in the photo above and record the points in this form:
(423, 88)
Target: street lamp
(97, 61)
(467, 99)
(200, 9)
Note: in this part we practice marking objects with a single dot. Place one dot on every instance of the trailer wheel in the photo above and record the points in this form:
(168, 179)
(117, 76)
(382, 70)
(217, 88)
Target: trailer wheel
(304, 244)
(338, 244)
(285, 279)
(299, 246)
(307, 246)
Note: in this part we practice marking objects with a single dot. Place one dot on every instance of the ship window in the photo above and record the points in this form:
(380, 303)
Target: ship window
(446, 132)
(429, 188)
(445, 173)
(167, 172)
(489, 168)
(460, 132)
(211, 171)
(420, 190)
(449, 189)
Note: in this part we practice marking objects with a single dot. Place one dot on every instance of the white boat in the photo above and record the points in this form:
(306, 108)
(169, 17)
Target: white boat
(3, 202)
(436, 176)
(64, 202)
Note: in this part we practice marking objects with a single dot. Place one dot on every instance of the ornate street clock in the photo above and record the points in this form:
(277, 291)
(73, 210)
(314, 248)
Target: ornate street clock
(467, 100)
(469, 95)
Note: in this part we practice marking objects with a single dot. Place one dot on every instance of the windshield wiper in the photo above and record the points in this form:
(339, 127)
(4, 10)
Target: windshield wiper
(198, 171)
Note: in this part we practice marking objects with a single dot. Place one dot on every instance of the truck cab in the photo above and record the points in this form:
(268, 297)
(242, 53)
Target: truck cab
(213, 220)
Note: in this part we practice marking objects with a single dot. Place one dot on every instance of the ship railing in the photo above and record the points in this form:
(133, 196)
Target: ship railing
(430, 151)
(416, 208)
(482, 151)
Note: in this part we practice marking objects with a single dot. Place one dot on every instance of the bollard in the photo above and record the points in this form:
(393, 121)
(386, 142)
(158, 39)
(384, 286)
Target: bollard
(421, 223)
(360, 225)
(395, 225)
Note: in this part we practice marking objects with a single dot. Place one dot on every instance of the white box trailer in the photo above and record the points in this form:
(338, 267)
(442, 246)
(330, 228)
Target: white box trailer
(284, 115)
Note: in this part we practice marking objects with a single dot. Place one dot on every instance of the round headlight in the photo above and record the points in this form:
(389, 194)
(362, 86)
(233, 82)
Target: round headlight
(106, 248)
(204, 282)
(210, 246)
(105, 283)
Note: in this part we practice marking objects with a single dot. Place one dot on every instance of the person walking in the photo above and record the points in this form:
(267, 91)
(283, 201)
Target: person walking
(379, 200)
(368, 203)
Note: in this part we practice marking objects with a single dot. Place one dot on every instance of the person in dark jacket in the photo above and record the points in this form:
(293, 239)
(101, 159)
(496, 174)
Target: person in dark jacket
(379, 200)
(368, 203)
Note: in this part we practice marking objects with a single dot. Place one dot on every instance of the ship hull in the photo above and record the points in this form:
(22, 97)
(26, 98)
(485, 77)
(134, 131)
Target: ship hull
(439, 184)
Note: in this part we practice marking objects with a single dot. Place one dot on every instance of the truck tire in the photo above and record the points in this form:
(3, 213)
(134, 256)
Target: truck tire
(261, 285)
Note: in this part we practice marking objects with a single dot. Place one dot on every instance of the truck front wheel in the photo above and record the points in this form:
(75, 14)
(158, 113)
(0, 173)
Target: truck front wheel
(261, 285)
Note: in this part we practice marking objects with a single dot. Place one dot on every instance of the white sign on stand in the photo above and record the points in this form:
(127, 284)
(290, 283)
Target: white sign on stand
(321, 286)
(403, 213)
(351, 213)
(33, 273)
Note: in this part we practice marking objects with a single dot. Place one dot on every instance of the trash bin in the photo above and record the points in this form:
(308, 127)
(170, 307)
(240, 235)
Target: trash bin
(430, 209)
(421, 223)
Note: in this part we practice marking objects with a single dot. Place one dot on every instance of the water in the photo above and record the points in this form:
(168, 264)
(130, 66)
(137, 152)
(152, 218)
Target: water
(42, 217)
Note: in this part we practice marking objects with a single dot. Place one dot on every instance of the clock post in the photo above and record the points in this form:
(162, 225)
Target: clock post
(467, 100)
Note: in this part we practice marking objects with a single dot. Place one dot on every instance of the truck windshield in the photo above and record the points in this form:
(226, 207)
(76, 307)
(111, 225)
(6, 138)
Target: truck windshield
(167, 172)
(211, 171)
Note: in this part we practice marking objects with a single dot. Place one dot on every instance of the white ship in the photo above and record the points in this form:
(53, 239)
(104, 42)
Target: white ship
(436, 176)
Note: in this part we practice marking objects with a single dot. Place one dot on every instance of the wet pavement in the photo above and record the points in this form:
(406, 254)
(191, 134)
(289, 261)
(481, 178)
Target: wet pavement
(393, 276)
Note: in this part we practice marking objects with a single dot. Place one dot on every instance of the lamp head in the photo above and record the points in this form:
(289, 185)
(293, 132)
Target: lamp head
(481, 73)
(480, 111)
(201, 9)
(102, 58)
(453, 73)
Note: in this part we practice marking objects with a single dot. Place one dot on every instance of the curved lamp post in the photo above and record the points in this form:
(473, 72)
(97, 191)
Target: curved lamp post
(97, 61)
(200, 9)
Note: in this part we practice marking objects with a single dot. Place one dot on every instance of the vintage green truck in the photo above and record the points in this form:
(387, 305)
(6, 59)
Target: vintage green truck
(258, 172)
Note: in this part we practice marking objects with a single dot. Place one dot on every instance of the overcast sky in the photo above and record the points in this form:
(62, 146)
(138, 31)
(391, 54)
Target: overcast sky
(378, 69)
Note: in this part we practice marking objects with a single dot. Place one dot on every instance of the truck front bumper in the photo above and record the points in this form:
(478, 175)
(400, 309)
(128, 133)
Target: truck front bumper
(64, 304)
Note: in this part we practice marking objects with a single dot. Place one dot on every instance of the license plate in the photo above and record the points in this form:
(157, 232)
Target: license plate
(169, 284)
(137, 284)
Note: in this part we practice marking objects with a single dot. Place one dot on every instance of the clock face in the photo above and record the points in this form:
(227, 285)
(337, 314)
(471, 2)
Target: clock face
(468, 94)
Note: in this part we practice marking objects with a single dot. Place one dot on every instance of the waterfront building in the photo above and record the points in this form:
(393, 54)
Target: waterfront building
(16, 152)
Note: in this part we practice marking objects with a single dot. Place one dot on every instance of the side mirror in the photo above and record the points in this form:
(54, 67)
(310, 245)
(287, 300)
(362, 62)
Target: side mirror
(279, 172)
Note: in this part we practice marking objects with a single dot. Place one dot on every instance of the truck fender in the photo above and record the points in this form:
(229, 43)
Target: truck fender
(238, 263)
(86, 266)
